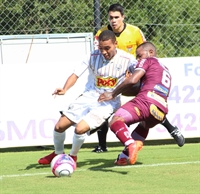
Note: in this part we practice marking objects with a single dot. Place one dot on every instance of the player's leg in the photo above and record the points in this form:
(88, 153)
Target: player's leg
(70, 116)
(102, 135)
(58, 138)
(138, 134)
(127, 114)
(120, 129)
(174, 132)
(79, 137)
(133, 112)
(92, 120)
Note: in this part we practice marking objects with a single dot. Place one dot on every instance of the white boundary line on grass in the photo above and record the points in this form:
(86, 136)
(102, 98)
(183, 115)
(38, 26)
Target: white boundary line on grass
(128, 166)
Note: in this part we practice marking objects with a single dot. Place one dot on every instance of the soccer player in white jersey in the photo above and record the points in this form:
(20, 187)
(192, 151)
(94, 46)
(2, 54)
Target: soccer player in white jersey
(108, 67)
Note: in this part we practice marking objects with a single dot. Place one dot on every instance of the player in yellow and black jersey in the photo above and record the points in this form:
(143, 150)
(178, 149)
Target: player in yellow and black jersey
(128, 38)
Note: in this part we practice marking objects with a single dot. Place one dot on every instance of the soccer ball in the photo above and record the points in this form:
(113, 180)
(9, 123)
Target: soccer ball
(62, 165)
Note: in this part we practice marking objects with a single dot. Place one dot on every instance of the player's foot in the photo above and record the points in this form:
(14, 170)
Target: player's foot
(99, 149)
(178, 137)
(133, 149)
(73, 157)
(47, 159)
(121, 161)
(75, 160)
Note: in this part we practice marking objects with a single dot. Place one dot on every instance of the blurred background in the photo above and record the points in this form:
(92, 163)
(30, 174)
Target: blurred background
(172, 25)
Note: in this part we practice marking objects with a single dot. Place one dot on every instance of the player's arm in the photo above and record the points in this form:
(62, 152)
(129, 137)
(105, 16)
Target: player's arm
(68, 84)
(77, 72)
(129, 82)
(132, 90)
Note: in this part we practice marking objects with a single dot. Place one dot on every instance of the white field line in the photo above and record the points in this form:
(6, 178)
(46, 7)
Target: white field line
(124, 167)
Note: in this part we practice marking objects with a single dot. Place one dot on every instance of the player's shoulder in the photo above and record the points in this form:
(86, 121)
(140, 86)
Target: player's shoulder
(132, 27)
(95, 52)
(149, 61)
(125, 54)
(152, 59)
(122, 52)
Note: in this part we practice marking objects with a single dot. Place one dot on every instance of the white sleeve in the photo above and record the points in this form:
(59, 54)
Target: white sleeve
(82, 67)
(132, 64)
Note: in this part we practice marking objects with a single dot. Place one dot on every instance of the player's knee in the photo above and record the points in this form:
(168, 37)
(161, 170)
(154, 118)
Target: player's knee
(58, 128)
(114, 119)
(80, 130)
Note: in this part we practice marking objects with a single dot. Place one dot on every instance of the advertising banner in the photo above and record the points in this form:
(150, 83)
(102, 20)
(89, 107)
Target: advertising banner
(28, 111)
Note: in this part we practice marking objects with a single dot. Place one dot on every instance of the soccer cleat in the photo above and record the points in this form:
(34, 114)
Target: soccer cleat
(178, 137)
(47, 159)
(99, 149)
(75, 159)
(133, 149)
(121, 161)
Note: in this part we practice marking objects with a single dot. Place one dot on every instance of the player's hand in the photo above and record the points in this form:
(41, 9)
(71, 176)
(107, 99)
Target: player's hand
(59, 91)
(105, 96)
(128, 74)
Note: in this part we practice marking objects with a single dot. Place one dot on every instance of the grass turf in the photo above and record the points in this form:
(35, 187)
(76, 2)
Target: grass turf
(160, 169)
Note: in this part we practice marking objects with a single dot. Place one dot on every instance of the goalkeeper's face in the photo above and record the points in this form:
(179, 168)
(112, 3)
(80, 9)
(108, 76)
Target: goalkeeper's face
(116, 20)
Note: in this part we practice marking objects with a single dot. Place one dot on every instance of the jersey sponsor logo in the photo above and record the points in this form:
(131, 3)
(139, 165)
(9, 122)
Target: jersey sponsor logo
(129, 48)
(158, 98)
(156, 113)
(162, 90)
(137, 110)
(106, 82)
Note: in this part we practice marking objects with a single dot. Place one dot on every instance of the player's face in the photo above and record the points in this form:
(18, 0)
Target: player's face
(108, 49)
(116, 21)
(142, 53)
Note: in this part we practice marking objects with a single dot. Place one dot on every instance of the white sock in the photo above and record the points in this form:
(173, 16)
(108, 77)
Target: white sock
(78, 141)
(58, 139)
(122, 155)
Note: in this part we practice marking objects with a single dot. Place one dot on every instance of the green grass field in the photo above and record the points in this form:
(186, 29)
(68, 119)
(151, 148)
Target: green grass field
(160, 169)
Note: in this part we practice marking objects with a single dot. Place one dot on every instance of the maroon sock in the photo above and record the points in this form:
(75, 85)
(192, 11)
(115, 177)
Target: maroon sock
(140, 133)
(121, 131)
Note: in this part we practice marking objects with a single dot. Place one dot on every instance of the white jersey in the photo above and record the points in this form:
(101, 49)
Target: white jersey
(106, 75)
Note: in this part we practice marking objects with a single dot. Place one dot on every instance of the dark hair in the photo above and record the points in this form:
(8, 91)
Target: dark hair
(148, 46)
(107, 35)
(116, 7)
